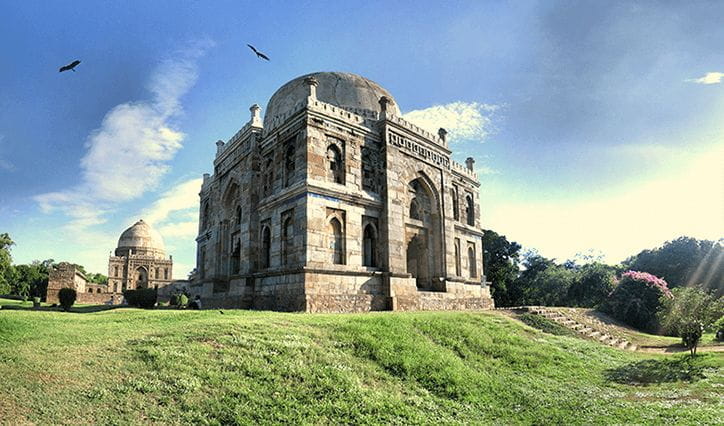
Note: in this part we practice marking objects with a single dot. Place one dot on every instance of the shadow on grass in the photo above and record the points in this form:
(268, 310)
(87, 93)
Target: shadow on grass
(81, 309)
(653, 371)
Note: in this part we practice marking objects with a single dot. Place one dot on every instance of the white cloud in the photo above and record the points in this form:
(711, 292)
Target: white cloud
(129, 153)
(485, 170)
(175, 214)
(187, 229)
(462, 120)
(183, 196)
(689, 200)
(709, 78)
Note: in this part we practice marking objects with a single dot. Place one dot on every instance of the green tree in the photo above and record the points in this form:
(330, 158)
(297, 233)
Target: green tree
(684, 262)
(689, 313)
(550, 286)
(500, 262)
(593, 284)
(32, 279)
(96, 278)
(521, 291)
(7, 274)
(636, 300)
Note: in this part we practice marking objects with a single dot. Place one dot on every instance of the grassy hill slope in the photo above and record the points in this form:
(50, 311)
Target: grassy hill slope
(128, 365)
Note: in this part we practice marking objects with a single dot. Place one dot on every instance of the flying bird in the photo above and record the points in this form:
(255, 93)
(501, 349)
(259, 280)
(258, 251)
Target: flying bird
(258, 53)
(71, 66)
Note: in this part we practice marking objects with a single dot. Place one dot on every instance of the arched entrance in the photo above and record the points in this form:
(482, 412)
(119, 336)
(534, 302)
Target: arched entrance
(422, 228)
(141, 276)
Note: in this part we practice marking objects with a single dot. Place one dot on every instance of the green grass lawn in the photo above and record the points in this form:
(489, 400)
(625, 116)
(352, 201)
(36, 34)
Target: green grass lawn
(131, 366)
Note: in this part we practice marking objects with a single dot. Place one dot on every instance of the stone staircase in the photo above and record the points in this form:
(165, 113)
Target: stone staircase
(593, 330)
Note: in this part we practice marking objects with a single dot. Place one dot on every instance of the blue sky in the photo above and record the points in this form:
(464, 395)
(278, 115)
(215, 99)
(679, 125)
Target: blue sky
(595, 125)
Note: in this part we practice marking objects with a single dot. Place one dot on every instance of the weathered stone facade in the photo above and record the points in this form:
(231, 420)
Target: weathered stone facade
(139, 261)
(67, 275)
(334, 203)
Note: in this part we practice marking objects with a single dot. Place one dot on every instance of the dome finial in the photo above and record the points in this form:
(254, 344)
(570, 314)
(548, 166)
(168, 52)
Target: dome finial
(312, 83)
(443, 135)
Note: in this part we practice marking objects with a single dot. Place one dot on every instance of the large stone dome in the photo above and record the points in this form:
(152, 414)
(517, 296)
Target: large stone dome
(342, 89)
(142, 239)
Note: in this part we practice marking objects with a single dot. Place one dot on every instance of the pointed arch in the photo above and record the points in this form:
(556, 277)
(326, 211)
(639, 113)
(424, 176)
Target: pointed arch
(369, 245)
(458, 271)
(205, 212)
(470, 210)
(472, 262)
(287, 239)
(336, 233)
(265, 247)
(141, 277)
(289, 162)
(455, 205)
(335, 164)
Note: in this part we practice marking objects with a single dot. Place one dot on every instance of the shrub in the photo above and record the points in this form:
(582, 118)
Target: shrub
(719, 329)
(183, 301)
(594, 283)
(636, 300)
(141, 297)
(36, 302)
(67, 297)
(689, 313)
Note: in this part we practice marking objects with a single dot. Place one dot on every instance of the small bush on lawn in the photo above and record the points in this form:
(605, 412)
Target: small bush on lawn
(183, 301)
(141, 298)
(719, 329)
(689, 313)
(67, 297)
(637, 299)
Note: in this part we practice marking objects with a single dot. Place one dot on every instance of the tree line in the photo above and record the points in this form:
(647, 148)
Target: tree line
(527, 278)
(676, 289)
(30, 280)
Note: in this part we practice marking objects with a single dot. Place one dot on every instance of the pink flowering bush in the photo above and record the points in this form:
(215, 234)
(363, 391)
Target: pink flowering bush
(637, 299)
(649, 279)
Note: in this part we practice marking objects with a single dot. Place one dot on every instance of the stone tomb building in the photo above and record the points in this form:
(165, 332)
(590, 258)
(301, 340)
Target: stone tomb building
(335, 203)
(140, 260)
(66, 274)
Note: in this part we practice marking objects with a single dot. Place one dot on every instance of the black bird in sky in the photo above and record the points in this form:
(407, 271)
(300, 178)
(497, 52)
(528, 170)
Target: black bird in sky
(258, 53)
(71, 66)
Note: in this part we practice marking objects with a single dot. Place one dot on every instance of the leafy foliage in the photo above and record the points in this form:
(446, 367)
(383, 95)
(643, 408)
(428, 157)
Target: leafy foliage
(7, 272)
(550, 287)
(500, 262)
(67, 297)
(594, 283)
(142, 297)
(636, 300)
(719, 329)
(684, 262)
(688, 313)
(96, 278)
